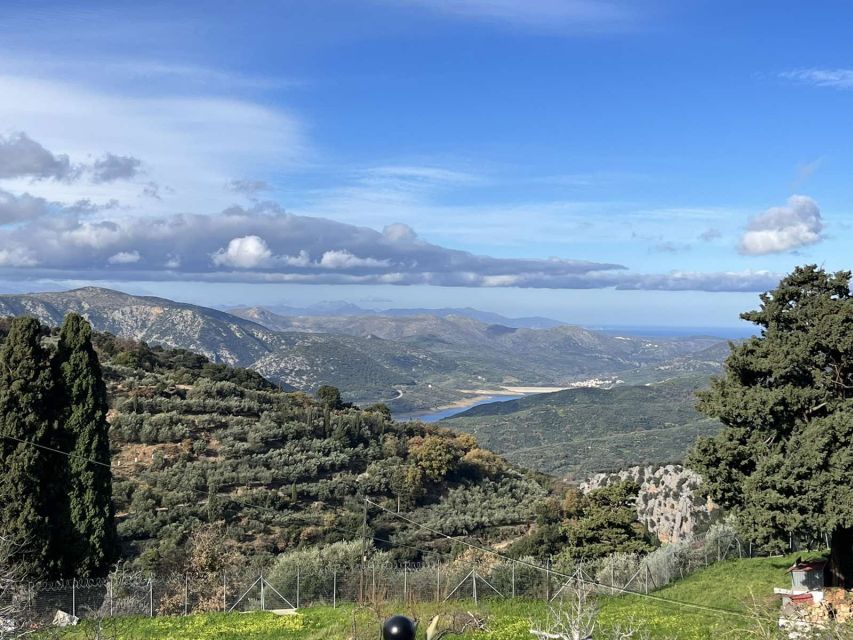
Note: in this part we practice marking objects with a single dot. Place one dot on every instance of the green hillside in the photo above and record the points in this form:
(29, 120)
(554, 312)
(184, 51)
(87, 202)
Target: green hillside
(198, 443)
(578, 431)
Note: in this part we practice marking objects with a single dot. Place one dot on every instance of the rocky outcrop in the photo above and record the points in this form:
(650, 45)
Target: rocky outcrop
(671, 502)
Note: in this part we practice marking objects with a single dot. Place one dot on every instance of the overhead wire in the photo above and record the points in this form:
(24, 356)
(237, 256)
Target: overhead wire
(506, 558)
(209, 494)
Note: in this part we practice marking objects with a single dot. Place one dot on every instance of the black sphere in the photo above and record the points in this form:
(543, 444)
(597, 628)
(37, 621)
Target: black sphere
(398, 628)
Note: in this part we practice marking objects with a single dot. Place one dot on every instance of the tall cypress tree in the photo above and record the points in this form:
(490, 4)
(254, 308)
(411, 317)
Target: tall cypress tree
(29, 513)
(82, 417)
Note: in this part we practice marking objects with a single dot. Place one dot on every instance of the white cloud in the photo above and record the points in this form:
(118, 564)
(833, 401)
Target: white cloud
(111, 167)
(399, 232)
(248, 252)
(300, 260)
(124, 257)
(426, 174)
(17, 257)
(90, 235)
(835, 78)
(21, 156)
(19, 208)
(196, 143)
(794, 225)
(249, 188)
(338, 259)
(710, 234)
(264, 244)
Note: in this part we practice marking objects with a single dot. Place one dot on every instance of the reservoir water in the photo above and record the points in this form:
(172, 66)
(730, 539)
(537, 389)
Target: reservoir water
(441, 414)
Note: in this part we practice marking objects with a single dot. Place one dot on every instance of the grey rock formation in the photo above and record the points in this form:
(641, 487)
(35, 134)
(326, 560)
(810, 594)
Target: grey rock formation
(671, 502)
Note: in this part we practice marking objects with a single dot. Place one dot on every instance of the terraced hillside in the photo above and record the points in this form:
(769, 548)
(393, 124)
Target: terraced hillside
(197, 443)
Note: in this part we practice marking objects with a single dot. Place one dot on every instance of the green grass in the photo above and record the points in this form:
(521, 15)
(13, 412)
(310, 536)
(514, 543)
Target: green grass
(733, 586)
(738, 586)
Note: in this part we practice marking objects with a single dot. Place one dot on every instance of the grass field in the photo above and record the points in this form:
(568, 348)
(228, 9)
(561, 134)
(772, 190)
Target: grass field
(734, 586)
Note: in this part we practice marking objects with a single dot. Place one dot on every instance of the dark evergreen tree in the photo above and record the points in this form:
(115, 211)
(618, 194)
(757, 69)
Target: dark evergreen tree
(784, 462)
(28, 474)
(330, 397)
(82, 418)
(604, 521)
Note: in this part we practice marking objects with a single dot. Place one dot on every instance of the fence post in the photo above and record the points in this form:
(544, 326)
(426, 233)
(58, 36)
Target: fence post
(263, 600)
(373, 589)
(298, 581)
(405, 583)
(646, 579)
(335, 588)
(224, 594)
(74, 597)
(548, 579)
(150, 597)
(361, 582)
(474, 583)
(513, 579)
(612, 576)
(438, 582)
(186, 593)
(110, 586)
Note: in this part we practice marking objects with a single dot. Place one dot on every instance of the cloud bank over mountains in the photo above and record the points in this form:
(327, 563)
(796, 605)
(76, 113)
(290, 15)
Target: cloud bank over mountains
(262, 243)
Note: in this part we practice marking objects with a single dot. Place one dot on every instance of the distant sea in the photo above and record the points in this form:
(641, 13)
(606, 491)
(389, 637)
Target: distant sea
(728, 333)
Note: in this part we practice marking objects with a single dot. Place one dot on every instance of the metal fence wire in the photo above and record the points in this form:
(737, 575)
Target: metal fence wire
(242, 589)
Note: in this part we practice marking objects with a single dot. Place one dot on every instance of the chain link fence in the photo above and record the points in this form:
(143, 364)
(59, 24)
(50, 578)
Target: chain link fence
(243, 589)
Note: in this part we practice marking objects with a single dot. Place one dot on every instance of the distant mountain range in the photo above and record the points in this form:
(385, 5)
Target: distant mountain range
(345, 309)
(411, 362)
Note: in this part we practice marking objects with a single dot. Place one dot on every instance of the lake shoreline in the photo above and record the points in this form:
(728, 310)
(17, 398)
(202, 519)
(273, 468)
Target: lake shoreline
(455, 408)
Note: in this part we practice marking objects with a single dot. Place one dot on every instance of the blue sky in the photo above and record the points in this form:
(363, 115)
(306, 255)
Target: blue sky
(601, 162)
